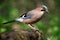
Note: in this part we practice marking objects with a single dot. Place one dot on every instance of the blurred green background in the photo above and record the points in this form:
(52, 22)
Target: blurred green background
(49, 24)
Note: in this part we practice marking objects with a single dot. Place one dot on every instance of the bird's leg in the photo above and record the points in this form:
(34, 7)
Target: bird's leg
(33, 26)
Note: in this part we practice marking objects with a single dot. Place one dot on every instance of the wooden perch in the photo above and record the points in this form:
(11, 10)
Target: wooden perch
(23, 35)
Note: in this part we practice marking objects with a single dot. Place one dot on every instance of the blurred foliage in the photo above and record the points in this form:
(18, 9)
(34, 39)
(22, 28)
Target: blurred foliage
(11, 9)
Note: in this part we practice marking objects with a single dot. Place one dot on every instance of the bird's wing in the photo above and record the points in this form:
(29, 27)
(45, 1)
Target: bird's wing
(25, 16)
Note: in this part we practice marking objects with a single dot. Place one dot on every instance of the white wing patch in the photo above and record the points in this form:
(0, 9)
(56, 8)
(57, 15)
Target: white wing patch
(19, 19)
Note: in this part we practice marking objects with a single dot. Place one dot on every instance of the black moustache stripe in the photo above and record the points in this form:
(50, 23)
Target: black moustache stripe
(42, 10)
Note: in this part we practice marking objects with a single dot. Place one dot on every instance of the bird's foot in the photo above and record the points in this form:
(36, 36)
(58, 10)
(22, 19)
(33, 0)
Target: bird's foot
(35, 29)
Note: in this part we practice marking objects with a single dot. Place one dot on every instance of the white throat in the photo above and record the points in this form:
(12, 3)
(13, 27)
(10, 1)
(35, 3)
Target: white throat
(42, 12)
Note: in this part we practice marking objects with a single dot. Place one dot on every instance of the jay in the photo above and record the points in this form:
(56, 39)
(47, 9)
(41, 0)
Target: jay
(32, 16)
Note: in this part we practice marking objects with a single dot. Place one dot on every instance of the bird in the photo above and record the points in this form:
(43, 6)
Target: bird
(31, 17)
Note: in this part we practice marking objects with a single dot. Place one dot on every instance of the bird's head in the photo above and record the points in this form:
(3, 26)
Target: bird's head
(44, 8)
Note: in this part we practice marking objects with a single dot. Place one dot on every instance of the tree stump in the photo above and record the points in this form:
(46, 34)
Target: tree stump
(23, 35)
(18, 34)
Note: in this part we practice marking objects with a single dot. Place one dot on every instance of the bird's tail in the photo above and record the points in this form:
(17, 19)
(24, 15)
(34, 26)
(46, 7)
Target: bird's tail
(9, 22)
